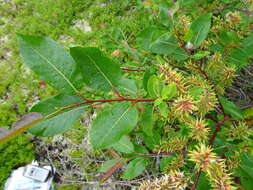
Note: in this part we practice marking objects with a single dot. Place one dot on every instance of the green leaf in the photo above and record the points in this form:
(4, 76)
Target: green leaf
(146, 77)
(163, 9)
(196, 92)
(19, 126)
(239, 56)
(231, 108)
(165, 161)
(140, 149)
(215, 48)
(203, 182)
(248, 113)
(188, 35)
(99, 72)
(165, 44)
(163, 108)
(161, 42)
(147, 36)
(158, 101)
(108, 164)
(179, 54)
(248, 170)
(56, 120)
(154, 86)
(147, 119)
(200, 28)
(112, 123)
(247, 45)
(152, 141)
(51, 62)
(169, 91)
(135, 168)
(128, 86)
(124, 145)
(226, 37)
(200, 54)
(246, 183)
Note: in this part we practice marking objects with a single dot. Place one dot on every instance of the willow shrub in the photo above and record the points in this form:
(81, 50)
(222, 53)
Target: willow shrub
(172, 106)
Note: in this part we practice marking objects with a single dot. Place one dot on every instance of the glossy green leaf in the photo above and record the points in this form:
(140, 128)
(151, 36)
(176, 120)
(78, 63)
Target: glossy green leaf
(135, 168)
(231, 108)
(147, 120)
(99, 72)
(18, 127)
(200, 28)
(57, 120)
(124, 145)
(51, 62)
(112, 123)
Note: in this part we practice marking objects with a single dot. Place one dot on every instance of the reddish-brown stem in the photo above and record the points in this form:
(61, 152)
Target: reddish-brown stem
(109, 100)
(127, 69)
(215, 133)
(109, 172)
(113, 153)
(212, 118)
(196, 180)
(248, 119)
(158, 154)
(161, 154)
(211, 141)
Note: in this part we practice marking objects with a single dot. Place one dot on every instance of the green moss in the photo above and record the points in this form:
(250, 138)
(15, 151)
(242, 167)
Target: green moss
(13, 156)
(69, 187)
(7, 116)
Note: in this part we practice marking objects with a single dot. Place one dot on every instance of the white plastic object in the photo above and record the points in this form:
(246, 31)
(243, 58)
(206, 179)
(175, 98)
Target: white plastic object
(30, 177)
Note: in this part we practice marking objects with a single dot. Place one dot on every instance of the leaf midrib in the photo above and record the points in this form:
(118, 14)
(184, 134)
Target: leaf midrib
(57, 70)
(98, 68)
(113, 126)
